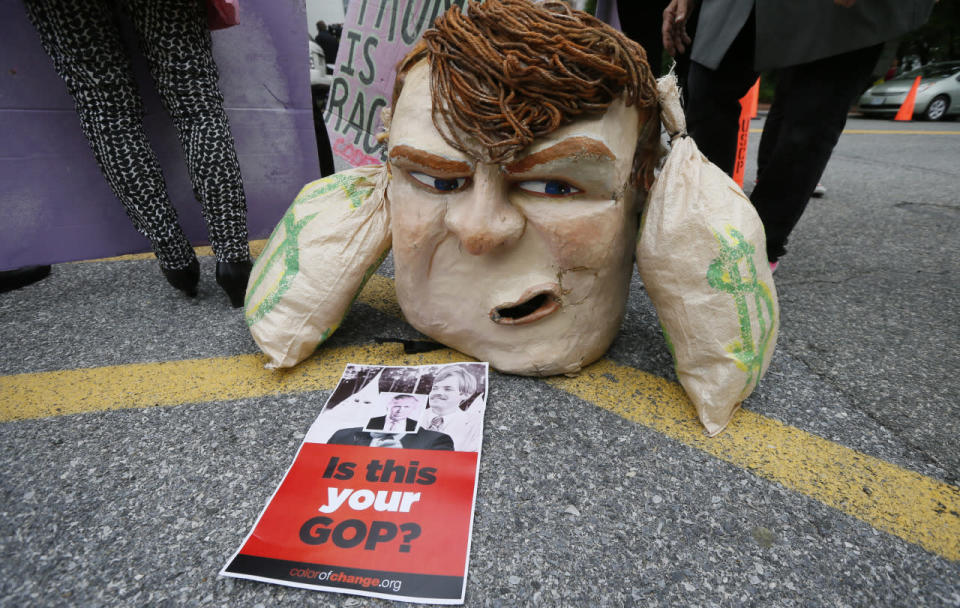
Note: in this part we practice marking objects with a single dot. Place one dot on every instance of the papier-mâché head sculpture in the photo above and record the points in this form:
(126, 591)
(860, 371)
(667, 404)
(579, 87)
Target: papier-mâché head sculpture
(521, 141)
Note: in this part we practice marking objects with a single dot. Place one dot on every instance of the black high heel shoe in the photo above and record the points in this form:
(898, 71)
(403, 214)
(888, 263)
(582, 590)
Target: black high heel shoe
(15, 278)
(185, 279)
(233, 277)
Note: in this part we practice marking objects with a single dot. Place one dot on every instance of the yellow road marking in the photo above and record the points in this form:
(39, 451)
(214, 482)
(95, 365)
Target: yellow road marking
(193, 381)
(917, 508)
(380, 293)
(168, 383)
(886, 132)
(909, 505)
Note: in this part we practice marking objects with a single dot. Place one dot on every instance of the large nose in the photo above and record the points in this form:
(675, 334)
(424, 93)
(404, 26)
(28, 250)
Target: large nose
(483, 218)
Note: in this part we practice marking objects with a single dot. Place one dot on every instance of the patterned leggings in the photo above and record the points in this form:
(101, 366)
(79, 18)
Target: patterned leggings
(83, 39)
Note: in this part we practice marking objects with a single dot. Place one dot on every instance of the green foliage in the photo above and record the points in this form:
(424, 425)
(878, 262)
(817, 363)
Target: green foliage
(768, 84)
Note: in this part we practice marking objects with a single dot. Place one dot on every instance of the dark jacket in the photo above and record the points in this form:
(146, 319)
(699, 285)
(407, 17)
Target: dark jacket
(329, 43)
(791, 33)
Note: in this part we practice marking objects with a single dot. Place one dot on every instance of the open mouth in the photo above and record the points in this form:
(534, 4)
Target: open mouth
(535, 304)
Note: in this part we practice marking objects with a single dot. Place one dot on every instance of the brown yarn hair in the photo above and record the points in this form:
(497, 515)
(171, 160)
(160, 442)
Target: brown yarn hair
(511, 71)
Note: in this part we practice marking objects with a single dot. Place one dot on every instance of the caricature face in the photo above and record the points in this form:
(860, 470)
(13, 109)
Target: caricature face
(525, 264)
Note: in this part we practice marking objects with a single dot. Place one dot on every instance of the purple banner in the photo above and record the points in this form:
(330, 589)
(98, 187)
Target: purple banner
(55, 204)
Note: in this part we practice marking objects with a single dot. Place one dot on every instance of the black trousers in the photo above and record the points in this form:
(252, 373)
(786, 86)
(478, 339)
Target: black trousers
(83, 39)
(641, 20)
(806, 119)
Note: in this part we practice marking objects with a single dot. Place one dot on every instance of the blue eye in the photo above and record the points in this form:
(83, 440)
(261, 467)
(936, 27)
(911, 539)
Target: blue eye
(555, 188)
(549, 187)
(445, 185)
(440, 184)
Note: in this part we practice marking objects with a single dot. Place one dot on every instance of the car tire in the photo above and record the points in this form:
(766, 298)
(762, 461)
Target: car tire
(937, 108)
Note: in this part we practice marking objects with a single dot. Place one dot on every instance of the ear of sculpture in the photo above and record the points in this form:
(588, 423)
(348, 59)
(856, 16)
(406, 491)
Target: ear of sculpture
(702, 256)
(330, 241)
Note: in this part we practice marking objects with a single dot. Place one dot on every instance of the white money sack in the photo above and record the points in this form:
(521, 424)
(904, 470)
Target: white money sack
(702, 256)
(331, 239)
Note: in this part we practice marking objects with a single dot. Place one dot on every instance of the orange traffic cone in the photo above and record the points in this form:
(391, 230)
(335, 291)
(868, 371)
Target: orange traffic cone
(753, 97)
(906, 110)
(748, 109)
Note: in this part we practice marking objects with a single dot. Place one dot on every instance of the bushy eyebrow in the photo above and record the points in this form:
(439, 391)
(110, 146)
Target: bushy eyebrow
(579, 147)
(430, 161)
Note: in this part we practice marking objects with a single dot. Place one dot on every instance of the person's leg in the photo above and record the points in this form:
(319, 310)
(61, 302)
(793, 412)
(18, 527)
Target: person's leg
(713, 107)
(815, 99)
(83, 40)
(768, 139)
(640, 21)
(771, 131)
(682, 68)
(177, 45)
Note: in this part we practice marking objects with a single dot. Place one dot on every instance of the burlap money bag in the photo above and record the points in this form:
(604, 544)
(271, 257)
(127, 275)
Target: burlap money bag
(702, 255)
(331, 239)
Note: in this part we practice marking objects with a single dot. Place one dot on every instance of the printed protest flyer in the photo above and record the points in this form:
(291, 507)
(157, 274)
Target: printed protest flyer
(379, 499)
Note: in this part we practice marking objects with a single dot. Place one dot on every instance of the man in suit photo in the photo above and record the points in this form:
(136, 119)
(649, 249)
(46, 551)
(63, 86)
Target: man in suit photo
(394, 430)
(396, 420)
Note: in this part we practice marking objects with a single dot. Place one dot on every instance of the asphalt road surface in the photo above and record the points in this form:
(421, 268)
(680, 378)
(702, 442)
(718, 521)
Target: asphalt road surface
(140, 436)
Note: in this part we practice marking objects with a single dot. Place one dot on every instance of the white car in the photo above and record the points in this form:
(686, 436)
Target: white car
(938, 95)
